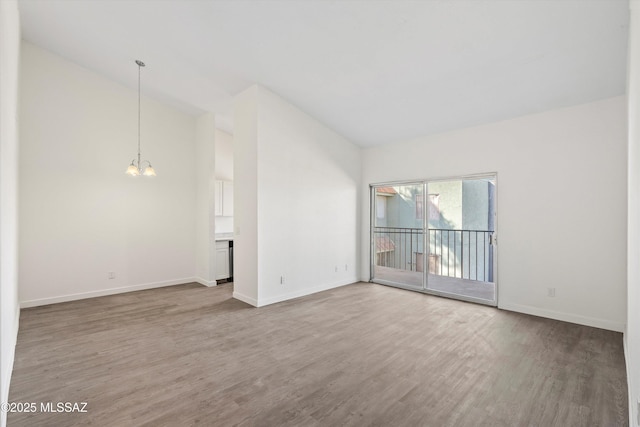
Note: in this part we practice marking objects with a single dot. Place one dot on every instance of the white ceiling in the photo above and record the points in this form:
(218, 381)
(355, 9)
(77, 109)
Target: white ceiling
(374, 71)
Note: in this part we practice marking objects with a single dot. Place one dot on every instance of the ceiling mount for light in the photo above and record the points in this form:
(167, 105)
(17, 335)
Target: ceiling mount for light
(135, 168)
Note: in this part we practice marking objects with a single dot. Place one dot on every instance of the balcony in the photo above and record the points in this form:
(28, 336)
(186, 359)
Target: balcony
(460, 262)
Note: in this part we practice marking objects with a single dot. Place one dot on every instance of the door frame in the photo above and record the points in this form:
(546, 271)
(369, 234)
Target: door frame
(424, 289)
(372, 222)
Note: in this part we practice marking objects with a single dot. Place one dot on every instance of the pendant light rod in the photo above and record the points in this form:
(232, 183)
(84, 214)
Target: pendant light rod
(140, 65)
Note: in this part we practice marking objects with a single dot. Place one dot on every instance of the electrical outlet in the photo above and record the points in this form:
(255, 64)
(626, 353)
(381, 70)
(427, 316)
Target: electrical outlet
(336, 268)
(282, 280)
(551, 292)
(346, 267)
(111, 275)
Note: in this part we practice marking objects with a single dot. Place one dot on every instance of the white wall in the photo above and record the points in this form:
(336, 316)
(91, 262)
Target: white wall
(632, 335)
(224, 172)
(307, 201)
(562, 197)
(245, 201)
(205, 185)
(80, 215)
(9, 308)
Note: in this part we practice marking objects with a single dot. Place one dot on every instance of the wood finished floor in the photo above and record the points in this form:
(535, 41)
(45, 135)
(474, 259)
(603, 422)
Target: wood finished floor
(359, 355)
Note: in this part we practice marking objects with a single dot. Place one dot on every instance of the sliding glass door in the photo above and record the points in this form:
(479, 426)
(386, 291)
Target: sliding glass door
(397, 235)
(437, 237)
(461, 238)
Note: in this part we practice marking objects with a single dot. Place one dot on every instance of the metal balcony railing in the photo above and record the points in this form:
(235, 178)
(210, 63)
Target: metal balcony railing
(396, 247)
(464, 254)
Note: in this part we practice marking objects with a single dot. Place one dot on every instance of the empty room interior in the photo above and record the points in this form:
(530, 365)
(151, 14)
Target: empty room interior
(320, 213)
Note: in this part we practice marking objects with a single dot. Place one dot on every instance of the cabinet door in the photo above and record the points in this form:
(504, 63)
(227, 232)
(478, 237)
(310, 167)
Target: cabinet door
(227, 198)
(218, 198)
(222, 260)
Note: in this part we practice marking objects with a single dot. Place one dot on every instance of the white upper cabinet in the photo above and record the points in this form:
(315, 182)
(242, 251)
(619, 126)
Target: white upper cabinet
(224, 198)
(227, 198)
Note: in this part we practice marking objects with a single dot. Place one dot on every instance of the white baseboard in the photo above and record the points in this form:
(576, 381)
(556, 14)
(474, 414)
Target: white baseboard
(244, 298)
(303, 292)
(104, 292)
(565, 317)
(7, 366)
(208, 283)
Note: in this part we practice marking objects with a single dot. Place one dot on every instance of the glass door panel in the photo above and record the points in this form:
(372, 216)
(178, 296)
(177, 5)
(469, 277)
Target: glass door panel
(398, 218)
(461, 238)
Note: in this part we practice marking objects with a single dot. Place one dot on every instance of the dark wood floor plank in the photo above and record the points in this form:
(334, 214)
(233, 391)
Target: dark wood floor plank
(359, 355)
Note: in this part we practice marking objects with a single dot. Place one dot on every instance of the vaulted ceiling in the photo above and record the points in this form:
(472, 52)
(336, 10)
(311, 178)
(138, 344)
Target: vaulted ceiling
(374, 71)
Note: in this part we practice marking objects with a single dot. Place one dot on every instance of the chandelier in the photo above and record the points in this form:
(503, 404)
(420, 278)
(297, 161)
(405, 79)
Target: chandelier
(136, 166)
